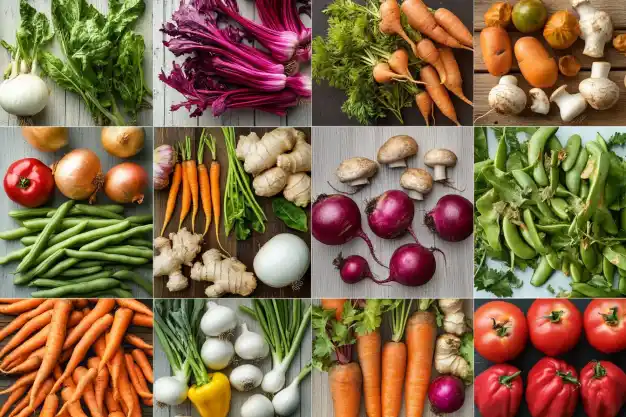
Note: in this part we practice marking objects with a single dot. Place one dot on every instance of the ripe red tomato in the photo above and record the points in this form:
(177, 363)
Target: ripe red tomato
(29, 182)
(554, 325)
(605, 324)
(500, 331)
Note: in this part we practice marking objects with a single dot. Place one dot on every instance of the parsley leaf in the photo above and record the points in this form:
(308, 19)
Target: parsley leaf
(500, 283)
(618, 139)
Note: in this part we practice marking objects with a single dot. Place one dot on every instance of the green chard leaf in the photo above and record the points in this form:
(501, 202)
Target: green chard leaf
(293, 216)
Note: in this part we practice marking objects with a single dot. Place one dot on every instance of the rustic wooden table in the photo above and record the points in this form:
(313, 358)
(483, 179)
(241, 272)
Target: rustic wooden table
(334, 144)
(323, 404)
(145, 333)
(65, 108)
(244, 250)
(165, 96)
(14, 147)
(303, 357)
(483, 81)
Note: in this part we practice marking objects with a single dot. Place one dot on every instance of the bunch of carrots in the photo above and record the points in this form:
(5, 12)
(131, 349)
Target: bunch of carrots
(76, 353)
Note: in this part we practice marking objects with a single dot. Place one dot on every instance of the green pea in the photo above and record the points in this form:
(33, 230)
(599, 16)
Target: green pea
(554, 260)
(101, 284)
(554, 144)
(572, 178)
(515, 242)
(616, 255)
(560, 208)
(536, 145)
(532, 230)
(501, 155)
(594, 292)
(608, 269)
(542, 273)
(572, 148)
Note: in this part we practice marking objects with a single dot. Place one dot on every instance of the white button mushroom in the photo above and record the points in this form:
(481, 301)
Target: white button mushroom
(596, 28)
(540, 102)
(600, 92)
(396, 149)
(418, 181)
(571, 105)
(507, 97)
(356, 171)
(439, 160)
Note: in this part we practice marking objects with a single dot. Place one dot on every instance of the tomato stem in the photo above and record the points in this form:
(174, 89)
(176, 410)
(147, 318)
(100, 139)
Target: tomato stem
(611, 319)
(599, 371)
(23, 183)
(500, 328)
(568, 377)
(555, 316)
(506, 379)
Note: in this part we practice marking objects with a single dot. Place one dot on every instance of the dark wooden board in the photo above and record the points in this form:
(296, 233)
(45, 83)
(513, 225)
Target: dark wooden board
(327, 101)
(243, 250)
(578, 357)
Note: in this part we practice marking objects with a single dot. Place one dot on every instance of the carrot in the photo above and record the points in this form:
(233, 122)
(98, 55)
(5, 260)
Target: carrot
(9, 300)
(99, 347)
(438, 93)
(136, 306)
(121, 322)
(37, 398)
(421, 332)
(368, 348)
(54, 345)
(116, 365)
(50, 406)
(391, 23)
(428, 52)
(192, 177)
(334, 304)
(33, 325)
(116, 414)
(30, 364)
(80, 302)
(143, 363)
(23, 381)
(383, 74)
(13, 397)
(399, 62)
(128, 394)
(203, 178)
(214, 176)
(171, 197)
(394, 368)
(426, 106)
(74, 409)
(21, 405)
(21, 306)
(23, 318)
(137, 341)
(144, 385)
(35, 342)
(142, 320)
(345, 387)
(101, 383)
(68, 381)
(130, 369)
(150, 352)
(82, 347)
(103, 306)
(84, 389)
(454, 81)
(186, 204)
(422, 20)
(111, 403)
(454, 26)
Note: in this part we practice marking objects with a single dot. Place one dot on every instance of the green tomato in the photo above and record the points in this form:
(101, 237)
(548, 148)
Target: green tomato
(529, 15)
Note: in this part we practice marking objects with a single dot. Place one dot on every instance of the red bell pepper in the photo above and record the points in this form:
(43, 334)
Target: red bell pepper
(29, 182)
(498, 391)
(603, 388)
(552, 389)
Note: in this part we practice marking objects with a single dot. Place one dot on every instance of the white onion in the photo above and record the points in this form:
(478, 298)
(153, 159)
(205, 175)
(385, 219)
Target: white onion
(170, 390)
(250, 345)
(217, 353)
(283, 260)
(257, 406)
(245, 377)
(217, 320)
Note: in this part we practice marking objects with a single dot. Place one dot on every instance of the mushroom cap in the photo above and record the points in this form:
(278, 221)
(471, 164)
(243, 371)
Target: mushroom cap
(417, 179)
(440, 156)
(355, 168)
(397, 148)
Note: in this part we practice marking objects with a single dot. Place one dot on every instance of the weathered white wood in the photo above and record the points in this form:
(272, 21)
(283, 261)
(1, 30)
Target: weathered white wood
(331, 146)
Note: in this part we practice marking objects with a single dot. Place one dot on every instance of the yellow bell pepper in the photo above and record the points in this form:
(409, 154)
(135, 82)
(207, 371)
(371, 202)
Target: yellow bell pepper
(212, 399)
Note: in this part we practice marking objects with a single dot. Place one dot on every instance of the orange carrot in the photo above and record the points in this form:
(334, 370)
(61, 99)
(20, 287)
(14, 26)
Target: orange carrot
(13, 397)
(394, 368)
(454, 26)
(116, 414)
(135, 305)
(32, 344)
(37, 398)
(421, 331)
(429, 53)
(391, 23)
(426, 106)
(23, 318)
(186, 204)
(80, 302)
(144, 385)
(454, 81)
(9, 300)
(137, 341)
(50, 406)
(54, 345)
(21, 306)
(192, 177)
(121, 322)
(144, 364)
(128, 394)
(399, 62)
(74, 409)
(84, 389)
(142, 320)
(101, 383)
(21, 405)
(422, 20)
(345, 387)
(214, 175)
(438, 93)
(33, 325)
(23, 381)
(368, 348)
(203, 178)
(30, 364)
(103, 306)
(172, 196)
(114, 365)
(130, 369)
(334, 304)
(111, 403)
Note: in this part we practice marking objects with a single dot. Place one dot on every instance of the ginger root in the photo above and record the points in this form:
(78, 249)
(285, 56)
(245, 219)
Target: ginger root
(228, 275)
(298, 160)
(270, 182)
(180, 249)
(448, 358)
(261, 154)
(298, 189)
(454, 318)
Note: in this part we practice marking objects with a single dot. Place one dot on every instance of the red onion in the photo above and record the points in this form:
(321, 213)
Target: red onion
(353, 269)
(125, 183)
(335, 220)
(412, 265)
(446, 394)
(390, 215)
(452, 218)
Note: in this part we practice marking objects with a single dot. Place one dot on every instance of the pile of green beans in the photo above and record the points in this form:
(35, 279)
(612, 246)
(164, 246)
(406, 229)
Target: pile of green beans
(78, 250)
(557, 207)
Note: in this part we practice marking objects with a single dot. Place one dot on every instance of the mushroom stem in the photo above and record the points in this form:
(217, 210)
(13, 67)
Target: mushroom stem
(416, 195)
(440, 173)
(398, 164)
(359, 181)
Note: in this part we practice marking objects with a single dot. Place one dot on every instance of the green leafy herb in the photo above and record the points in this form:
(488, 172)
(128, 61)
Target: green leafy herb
(332, 336)
(618, 139)
(293, 216)
(369, 317)
(500, 283)
(467, 352)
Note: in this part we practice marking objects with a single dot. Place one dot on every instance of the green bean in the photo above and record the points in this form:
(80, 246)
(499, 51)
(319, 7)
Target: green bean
(572, 148)
(112, 293)
(554, 260)
(89, 264)
(144, 219)
(16, 255)
(588, 254)
(536, 145)
(560, 208)
(572, 177)
(27, 213)
(64, 265)
(101, 284)
(41, 268)
(46, 283)
(554, 144)
(594, 292)
(116, 238)
(542, 272)
(16, 234)
(66, 234)
(39, 224)
(499, 161)
(608, 269)
(88, 278)
(616, 255)
(79, 272)
(139, 242)
(532, 230)
(134, 277)
(106, 257)
(129, 251)
(78, 209)
(98, 212)
(44, 236)
(515, 242)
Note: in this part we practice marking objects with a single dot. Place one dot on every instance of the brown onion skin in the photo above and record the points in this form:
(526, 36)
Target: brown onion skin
(125, 183)
(78, 175)
(122, 142)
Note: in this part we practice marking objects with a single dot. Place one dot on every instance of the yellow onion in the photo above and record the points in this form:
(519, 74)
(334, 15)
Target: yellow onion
(499, 14)
(561, 30)
(125, 183)
(78, 175)
(619, 42)
(122, 142)
(45, 139)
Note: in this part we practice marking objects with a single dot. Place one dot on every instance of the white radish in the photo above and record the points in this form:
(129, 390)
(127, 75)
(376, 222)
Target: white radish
(245, 377)
(217, 353)
(217, 320)
(24, 93)
(287, 401)
(257, 405)
(250, 345)
(170, 390)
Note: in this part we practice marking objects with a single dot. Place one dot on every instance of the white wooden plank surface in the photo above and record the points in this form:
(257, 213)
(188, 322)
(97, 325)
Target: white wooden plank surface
(162, 368)
(65, 108)
(14, 147)
(322, 401)
(334, 144)
(166, 96)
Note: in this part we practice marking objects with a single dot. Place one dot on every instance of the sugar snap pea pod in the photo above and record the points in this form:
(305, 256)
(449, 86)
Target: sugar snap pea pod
(622, 285)
(616, 255)
(523, 231)
(97, 285)
(139, 242)
(134, 277)
(575, 294)
(27, 213)
(499, 160)
(554, 144)
(563, 192)
(80, 272)
(143, 219)
(113, 239)
(572, 148)
(553, 228)
(604, 218)
(608, 269)
(129, 251)
(515, 242)
(46, 265)
(584, 189)
(64, 265)
(588, 254)
(532, 231)
(572, 177)
(122, 259)
(489, 219)
(576, 269)
(593, 148)
(39, 224)
(536, 145)
(554, 260)
(554, 171)
(542, 273)
(594, 292)
(600, 141)
(622, 217)
(612, 192)
(598, 182)
(16, 234)
(565, 267)
(526, 182)
(560, 208)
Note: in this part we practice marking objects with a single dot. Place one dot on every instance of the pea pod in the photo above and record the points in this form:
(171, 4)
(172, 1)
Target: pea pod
(532, 230)
(616, 255)
(542, 273)
(601, 142)
(608, 269)
(554, 144)
(553, 228)
(101, 284)
(584, 189)
(515, 242)
(577, 271)
(622, 285)
(572, 148)
(572, 177)
(565, 267)
(554, 260)
(526, 182)
(622, 217)
(554, 172)
(113, 239)
(594, 292)
(560, 208)
(595, 191)
(604, 218)
(588, 255)
(499, 161)
(122, 259)
(536, 145)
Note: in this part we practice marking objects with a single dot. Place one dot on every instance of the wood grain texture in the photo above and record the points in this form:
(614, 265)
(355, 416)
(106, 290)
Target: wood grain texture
(322, 401)
(332, 145)
(484, 82)
(165, 96)
(14, 147)
(65, 108)
(303, 357)
(143, 332)
(243, 250)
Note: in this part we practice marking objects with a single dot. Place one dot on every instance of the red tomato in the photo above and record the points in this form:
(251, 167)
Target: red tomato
(605, 324)
(500, 331)
(554, 325)
(29, 182)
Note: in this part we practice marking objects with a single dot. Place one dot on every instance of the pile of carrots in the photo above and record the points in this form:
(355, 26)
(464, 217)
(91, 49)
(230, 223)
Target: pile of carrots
(75, 353)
